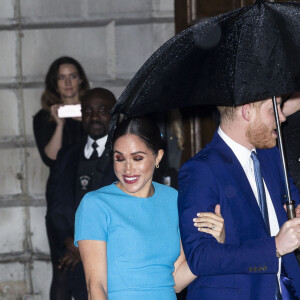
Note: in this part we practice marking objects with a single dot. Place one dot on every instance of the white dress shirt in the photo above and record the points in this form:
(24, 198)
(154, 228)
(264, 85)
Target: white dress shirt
(244, 157)
(88, 149)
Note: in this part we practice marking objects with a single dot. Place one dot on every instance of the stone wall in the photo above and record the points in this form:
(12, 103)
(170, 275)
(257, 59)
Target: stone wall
(111, 39)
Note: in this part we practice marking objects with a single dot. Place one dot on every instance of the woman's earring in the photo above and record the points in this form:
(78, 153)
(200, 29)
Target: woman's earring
(157, 166)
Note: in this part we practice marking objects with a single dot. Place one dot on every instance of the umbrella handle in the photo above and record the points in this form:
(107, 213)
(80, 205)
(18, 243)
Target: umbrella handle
(290, 209)
(290, 204)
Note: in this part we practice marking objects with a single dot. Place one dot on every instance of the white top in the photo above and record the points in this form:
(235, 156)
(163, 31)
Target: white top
(244, 157)
(88, 149)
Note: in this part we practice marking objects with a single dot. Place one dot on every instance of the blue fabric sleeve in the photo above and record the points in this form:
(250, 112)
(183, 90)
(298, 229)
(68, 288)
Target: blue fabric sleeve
(91, 219)
(204, 255)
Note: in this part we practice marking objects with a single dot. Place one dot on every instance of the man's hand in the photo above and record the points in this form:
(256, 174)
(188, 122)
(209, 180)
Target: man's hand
(288, 238)
(298, 211)
(71, 257)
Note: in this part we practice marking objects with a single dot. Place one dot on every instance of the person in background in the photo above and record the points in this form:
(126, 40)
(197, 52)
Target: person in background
(291, 142)
(127, 232)
(171, 126)
(65, 83)
(80, 168)
(291, 135)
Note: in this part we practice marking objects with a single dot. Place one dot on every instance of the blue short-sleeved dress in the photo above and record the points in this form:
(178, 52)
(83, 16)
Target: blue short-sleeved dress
(142, 237)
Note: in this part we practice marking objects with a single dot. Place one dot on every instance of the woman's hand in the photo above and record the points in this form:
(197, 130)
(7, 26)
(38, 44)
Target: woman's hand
(54, 113)
(211, 223)
(55, 143)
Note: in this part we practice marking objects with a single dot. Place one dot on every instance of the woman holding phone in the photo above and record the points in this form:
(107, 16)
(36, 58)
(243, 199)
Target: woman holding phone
(64, 84)
(127, 232)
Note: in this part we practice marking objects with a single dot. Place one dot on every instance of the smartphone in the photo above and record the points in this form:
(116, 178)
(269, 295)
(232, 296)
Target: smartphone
(69, 111)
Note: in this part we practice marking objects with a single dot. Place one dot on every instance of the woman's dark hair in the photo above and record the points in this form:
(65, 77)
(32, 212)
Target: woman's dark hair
(51, 95)
(142, 127)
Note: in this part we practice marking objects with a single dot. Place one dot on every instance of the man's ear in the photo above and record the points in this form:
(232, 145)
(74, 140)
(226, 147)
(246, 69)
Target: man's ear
(246, 112)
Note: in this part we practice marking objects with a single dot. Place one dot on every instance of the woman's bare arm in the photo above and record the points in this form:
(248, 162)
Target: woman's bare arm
(292, 105)
(94, 259)
(55, 143)
(182, 273)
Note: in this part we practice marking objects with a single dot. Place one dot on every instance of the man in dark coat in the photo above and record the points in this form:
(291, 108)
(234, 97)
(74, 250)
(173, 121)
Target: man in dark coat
(79, 169)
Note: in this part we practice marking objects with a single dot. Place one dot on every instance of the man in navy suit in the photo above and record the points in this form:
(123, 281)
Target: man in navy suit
(257, 260)
(79, 169)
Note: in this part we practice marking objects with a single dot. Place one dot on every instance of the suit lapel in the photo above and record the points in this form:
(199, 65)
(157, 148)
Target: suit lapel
(245, 198)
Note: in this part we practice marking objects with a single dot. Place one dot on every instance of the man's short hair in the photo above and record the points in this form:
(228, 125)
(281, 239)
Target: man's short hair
(227, 112)
(258, 104)
(99, 92)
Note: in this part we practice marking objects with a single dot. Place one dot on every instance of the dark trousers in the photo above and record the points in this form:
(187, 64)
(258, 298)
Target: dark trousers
(59, 289)
(76, 282)
(65, 284)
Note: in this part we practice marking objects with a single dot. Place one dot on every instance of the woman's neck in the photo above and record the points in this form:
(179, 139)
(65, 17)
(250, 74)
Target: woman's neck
(138, 194)
(151, 191)
(68, 101)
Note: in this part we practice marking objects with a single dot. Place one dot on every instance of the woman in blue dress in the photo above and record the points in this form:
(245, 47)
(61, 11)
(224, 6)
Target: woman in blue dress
(127, 232)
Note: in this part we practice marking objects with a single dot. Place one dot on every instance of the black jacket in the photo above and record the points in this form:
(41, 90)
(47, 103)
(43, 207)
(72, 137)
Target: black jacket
(62, 190)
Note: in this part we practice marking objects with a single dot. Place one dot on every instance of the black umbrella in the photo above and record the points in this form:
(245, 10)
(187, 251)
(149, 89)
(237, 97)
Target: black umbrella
(242, 56)
(238, 57)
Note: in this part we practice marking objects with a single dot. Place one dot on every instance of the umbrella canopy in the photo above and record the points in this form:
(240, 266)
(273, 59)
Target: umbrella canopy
(242, 56)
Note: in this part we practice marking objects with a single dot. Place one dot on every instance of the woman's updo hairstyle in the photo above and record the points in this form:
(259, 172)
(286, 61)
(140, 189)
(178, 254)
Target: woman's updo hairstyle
(142, 127)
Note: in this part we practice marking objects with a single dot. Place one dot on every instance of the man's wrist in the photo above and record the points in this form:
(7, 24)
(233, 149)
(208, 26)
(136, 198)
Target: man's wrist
(279, 251)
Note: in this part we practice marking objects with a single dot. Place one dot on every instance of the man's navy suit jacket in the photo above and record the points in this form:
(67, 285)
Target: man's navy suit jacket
(246, 266)
(62, 209)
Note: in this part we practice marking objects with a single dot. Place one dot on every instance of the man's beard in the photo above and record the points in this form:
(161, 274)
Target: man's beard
(260, 136)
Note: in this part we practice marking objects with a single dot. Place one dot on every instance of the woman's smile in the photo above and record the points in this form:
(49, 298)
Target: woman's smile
(131, 179)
